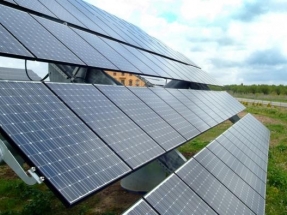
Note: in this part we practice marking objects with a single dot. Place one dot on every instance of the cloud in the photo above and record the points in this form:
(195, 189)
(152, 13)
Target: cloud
(250, 10)
(270, 57)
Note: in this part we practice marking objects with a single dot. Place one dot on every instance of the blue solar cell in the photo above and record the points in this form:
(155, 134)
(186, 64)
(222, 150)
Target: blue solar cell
(76, 44)
(173, 196)
(36, 6)
(232, 181)
(195, 113)
(73, 160)
(107, 51)
(35, 37)
(165, 111)
(129, 141)
(211, 190)
(61, 12)
(144, 116)
(10, 46)
(141, 207)
(177, 106)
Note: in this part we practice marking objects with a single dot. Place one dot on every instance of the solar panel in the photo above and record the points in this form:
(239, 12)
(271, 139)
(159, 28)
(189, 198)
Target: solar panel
(176, 105)
(232, 181)
(195, 113)
(36, 6)
(165, 111)
(210, 189)
(205, 105)
(73, 160)
(107, 51)
(39, 41)
(193, 103)
(61, 12)
(128, 140)
(76, 44)
(17, 74)
(10, 46)
(245, 147)
(244, 154)
(11, 1)
(239, 168)
(173, 196)
(141, 207)
(83, 18)
(143, 116)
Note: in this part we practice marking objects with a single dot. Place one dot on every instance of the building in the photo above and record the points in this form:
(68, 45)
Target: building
(127, 79)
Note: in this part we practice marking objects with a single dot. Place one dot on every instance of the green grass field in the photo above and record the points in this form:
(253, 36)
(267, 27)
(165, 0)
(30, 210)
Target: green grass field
(17, 198)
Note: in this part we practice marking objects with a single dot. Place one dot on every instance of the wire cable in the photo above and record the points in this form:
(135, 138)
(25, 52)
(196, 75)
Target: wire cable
(43, 79)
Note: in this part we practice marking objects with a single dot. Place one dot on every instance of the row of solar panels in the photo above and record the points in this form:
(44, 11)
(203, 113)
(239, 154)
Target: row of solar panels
(89, 17)
(29, 36)
(82, 137)
(226, 177)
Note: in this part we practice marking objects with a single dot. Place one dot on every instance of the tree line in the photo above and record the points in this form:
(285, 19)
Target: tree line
(253, 89)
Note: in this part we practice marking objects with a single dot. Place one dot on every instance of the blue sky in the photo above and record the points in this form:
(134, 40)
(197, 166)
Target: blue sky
(236, 41)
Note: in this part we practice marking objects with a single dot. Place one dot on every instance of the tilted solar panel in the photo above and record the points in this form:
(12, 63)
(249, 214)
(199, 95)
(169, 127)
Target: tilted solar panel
(35, 37)
(10, 46)
(182, 109)
(211, 190)
(232, 181)
(73, 160)
(173, 196)
(129, 141)
(195, 113)
(143, 116)
(165, 111)
(36, 6)
(239, 168)
(141, 207)
(76, 44)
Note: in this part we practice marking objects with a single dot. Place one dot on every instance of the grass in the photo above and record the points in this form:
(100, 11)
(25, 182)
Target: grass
(19, 199)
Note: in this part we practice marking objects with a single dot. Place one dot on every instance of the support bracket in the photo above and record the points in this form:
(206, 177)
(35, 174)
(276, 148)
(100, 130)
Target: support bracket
(11, 161)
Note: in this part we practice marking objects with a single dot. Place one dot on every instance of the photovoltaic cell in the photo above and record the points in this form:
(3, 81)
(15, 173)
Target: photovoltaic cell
(216, 195)
(109, 122)
(176, 105)
(244, 154)
(205, 105)
(143, 116)
(61, 12)
(199, 123)
(246, 148)
(76, 44)
(173, 196)
(107, 51)
(39, 41)
(36, 6)
(165, 111)
(232, 181)
(73, 160)
(194, 106)
(141, 207)
(239, 168)
(10, 46)
(83, 18)
(11, 1)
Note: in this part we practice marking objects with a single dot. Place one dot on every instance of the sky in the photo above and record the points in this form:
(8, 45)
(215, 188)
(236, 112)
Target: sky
(235, 41)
